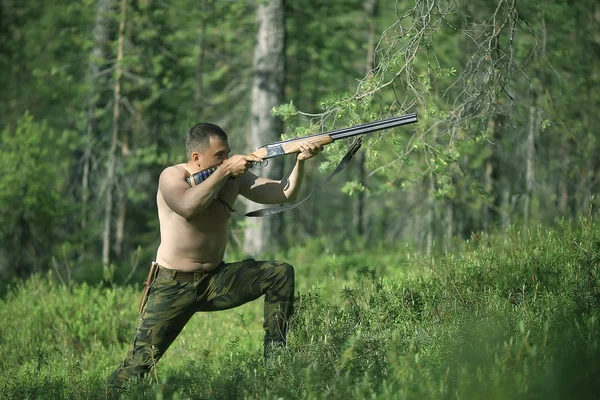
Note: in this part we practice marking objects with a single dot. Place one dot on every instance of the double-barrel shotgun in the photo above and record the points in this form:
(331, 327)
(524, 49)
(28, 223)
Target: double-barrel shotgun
(291, 146)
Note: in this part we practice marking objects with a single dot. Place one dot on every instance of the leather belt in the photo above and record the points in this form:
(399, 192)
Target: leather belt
(180, 275)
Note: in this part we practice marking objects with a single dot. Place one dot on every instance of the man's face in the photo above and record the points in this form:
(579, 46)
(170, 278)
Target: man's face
(215, 153)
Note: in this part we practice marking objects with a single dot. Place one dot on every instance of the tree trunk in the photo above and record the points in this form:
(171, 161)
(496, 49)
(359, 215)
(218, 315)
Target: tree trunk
(430, 216)
(96, 61)
(586, 186)
(530, 163)
(112, 155)
(449, 224)
(267, 92)
(489, 189)
(122, 193)
(360, 220)
(199, 90)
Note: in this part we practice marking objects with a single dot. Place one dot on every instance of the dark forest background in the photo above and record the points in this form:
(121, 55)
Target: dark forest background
(97, 97)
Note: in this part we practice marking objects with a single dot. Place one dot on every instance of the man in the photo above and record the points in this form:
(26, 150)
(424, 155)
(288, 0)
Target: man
(194, 228)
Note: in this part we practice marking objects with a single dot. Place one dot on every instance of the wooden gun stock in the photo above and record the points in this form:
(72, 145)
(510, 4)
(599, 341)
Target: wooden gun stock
(279, 149)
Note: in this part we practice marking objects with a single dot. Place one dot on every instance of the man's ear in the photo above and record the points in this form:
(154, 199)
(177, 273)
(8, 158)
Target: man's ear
(196, 157)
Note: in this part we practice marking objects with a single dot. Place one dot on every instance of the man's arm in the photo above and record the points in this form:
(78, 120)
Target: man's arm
(188, 201)
(269, 191)
(185, 200)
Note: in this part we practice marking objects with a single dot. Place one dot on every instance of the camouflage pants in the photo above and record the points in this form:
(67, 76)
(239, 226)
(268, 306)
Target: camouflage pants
(172, 302)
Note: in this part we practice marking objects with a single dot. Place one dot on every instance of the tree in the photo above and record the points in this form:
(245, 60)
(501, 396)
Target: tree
(34, 219)
(97, 61)
(267, 93)
(360, 219)
(112, 155)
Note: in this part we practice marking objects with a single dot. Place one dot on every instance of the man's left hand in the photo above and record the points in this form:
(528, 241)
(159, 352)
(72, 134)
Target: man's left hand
(308, 150)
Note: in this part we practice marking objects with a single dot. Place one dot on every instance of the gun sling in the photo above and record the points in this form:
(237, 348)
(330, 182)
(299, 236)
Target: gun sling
(264, 212)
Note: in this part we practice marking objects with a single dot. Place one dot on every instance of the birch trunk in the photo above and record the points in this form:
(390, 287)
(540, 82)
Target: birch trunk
(267, 92)
(122, 193)
(530, 164)
(449, 224)
(430, 217)
(112, 155)
(96, 62)
(199, 90)
(360, 219)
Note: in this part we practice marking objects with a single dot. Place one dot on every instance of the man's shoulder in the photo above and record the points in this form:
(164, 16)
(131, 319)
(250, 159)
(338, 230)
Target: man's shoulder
(177, 169)
(176, 172)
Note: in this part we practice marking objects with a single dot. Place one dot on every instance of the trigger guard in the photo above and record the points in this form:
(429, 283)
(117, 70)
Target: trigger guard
(261, 164)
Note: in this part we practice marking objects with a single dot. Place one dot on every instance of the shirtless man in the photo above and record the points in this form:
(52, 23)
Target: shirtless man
(194, 229)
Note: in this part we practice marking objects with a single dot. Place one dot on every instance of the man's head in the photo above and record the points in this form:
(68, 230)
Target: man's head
(206, 145)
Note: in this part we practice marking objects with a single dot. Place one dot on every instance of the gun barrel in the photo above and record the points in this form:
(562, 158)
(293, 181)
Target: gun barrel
(359, 129)
(373, 126)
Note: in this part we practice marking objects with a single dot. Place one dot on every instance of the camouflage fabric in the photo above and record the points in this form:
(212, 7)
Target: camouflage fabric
(172, 302)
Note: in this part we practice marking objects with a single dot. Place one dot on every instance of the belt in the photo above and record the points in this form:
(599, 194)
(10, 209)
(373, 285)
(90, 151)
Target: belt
(180, 275)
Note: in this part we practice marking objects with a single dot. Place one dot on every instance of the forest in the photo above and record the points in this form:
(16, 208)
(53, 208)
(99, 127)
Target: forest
(98, 98)
(490, 198)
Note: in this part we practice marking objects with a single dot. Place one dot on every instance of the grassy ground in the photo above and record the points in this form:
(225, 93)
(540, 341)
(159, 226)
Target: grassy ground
(509, 316)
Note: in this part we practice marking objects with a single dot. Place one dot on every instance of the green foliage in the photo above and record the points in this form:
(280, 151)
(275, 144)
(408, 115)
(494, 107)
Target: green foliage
(76, 319)
(35, 176)
(509, 316)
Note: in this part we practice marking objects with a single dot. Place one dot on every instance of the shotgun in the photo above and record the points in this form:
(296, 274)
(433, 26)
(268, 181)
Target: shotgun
(291, 146)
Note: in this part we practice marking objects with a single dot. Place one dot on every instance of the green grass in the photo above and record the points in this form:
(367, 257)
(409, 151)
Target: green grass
(507, 316)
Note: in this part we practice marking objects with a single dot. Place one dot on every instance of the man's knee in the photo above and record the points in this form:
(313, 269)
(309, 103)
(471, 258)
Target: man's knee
(284, 274)
(286, 270)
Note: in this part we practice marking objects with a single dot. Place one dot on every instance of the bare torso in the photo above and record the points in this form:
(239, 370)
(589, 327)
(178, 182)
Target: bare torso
(198, 243)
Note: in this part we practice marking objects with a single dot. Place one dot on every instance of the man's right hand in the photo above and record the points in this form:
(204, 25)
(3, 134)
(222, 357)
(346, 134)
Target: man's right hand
(237, 164)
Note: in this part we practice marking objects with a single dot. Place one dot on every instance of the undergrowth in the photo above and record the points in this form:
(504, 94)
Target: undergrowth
(511, 315)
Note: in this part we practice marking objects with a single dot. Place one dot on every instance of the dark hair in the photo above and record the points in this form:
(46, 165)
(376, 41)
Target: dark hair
(198, 137)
